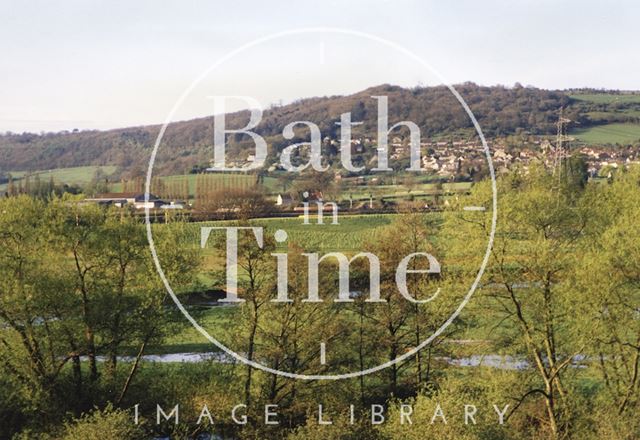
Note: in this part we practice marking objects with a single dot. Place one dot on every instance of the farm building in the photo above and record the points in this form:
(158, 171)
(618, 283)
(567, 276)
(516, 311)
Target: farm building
(284, 200)
(127, 198)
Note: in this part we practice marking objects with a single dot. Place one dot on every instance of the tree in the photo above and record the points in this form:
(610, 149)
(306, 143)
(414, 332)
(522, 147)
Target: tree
(36, 310)
(290, 333)
(78, 281)
(610, 272)
(406, 324)
(540, 226)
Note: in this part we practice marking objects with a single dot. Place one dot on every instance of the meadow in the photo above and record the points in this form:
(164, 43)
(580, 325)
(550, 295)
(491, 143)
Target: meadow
(182, 337)
(608, 134)
(607, 98)
(615, 118)
(420, 190)
(350, 234)
(70, 176)
(220, 180)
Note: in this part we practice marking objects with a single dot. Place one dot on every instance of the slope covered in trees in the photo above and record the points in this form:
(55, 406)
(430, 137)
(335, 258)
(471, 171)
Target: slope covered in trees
(500, 110)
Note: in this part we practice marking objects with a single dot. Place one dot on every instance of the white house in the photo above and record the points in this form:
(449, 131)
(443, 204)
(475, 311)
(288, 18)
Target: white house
(284, 200)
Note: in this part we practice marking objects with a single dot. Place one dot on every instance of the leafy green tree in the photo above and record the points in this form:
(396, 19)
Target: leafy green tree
(78, 282)
(527, 284)
(36, 311)
(610, 272)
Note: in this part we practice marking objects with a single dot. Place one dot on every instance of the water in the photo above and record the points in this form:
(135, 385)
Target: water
(216, 357)
(502, 362)
(489, 360)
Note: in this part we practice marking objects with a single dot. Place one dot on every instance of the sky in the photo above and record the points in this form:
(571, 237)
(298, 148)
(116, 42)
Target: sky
(106, 64)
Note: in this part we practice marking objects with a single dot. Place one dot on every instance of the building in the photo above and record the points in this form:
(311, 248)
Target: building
(137, 200)
(154, 202)
(284, 200)
(173, 205)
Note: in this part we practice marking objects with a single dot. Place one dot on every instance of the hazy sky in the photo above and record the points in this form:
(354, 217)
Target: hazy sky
(105, 64)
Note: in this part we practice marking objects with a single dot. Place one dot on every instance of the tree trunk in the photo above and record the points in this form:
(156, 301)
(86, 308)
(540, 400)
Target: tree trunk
(77, 375)
(247, 383)
(133, 370)
(418, 340)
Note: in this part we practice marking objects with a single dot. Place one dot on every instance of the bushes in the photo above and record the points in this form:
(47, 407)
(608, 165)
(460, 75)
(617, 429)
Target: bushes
(104, 424)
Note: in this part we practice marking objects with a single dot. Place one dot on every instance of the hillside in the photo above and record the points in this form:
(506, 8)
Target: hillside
(500, 110)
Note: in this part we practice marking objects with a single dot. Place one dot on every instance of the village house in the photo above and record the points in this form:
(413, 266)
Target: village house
(430, 163)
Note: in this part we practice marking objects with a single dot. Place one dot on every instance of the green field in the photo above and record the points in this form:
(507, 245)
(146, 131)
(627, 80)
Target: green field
(83, 175)
(609, 134)
(606, 117)
(607, 98)
(402, 191)
(351, 234)
(70, 176)
(226, 180)
(184, 338)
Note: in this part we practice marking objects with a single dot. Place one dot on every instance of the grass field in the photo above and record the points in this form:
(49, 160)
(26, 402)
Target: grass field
(358, 192)
(184, 338)
(351, 234)
(401, 191)
(604, 117)
(609, 134)
(225, 180)
(83, 175)
(70, 176)
(606, 98)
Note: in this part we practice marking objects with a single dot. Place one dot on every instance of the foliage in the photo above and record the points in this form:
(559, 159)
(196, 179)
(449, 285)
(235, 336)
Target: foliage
(102, 424)
(560, 297)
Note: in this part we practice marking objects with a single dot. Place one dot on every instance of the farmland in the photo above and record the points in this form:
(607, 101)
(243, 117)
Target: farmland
(404, 191)
(70, 176)
(221, 180)
(226, 180)
(351, 234)
(608, 98)
(609, 134)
